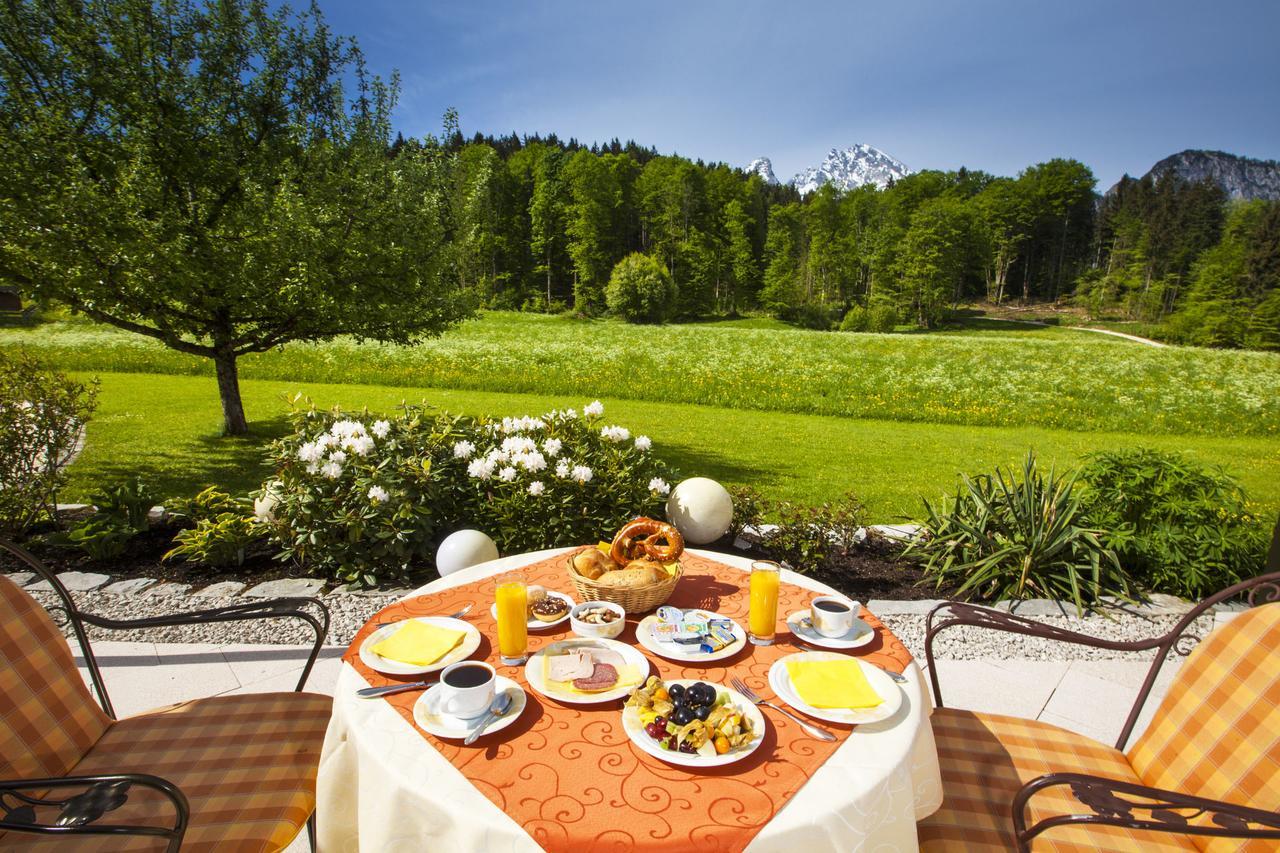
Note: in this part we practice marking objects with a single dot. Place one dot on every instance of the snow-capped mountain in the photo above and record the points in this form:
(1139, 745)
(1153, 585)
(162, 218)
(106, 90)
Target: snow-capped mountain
(853, 167)
(762, 167)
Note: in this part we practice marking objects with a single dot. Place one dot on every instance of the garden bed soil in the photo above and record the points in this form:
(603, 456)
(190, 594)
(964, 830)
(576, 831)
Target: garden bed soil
(872, 570)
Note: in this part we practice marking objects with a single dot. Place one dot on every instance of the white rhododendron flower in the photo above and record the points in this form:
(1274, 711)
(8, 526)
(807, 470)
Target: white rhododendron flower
(497, 456)
(361, 445)
(338, 456)
(570, 414)
(534, 461)
(310, 452)
(377, 494)
(481, 469)
(381, 428)
(324, 440)
(463, 450)
(643, 442)
(331, 469)
(536, 488)
(615, 433)
(562, 468)
(341, 429)
(518, 444)
(659, 485)
(507, 474)
(552, 447)
(593, 409)
(581, 474)
(313, 468)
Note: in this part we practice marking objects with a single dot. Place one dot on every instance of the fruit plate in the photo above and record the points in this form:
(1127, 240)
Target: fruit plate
(801, 625)
(536, 675)
(634, 728)
(536, 624)
(881, 683)
(470, 642)
(671, 651)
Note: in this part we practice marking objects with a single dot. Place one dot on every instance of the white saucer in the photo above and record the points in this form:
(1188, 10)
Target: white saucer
(536, 624)
(780, 683)
(859, 635)
(462, 651)
(430, 719)
(673, 651)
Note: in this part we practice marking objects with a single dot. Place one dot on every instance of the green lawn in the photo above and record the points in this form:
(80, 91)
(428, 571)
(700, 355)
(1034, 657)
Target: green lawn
(1052, 378)
(167, 429)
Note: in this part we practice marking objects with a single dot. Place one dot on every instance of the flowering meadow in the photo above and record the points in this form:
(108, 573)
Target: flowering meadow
(1084, 384)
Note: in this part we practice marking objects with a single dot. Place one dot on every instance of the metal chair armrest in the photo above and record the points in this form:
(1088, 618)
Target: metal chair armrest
(78, 813)
(1113, 803)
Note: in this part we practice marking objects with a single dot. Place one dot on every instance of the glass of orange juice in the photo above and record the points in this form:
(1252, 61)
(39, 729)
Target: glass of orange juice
(512, 599)
(763, 620)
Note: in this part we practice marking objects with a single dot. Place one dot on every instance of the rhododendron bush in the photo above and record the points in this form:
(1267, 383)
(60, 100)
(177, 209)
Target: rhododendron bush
(366, 498)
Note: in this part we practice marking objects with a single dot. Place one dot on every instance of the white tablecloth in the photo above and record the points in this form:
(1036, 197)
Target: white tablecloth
(383, 787)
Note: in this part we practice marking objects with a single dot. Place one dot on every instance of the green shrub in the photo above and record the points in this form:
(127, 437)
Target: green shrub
(1177, 526)
(101, 536)
(362, 499)
(218, 541)
(130, 501)
(883, 318)
(1002, 536)
(805, 538)
(640, 290)
(209, 503)
(855, 319)
(42, 416)
(821, 318)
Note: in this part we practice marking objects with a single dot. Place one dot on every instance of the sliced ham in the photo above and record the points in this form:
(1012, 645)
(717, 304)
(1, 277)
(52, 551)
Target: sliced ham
(571, 665)
(603, 676)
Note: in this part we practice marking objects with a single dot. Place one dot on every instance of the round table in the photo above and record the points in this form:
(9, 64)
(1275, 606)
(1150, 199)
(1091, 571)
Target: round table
(383, 787)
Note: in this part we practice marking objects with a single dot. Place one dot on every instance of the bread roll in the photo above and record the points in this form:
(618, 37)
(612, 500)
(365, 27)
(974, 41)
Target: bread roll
(591, 563)
(633, 576)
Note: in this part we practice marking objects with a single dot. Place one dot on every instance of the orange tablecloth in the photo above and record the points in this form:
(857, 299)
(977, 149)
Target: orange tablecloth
(570, 776)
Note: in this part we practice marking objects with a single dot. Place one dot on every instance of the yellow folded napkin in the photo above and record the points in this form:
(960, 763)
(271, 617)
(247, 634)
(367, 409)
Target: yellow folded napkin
(832, 684)
(418, 643)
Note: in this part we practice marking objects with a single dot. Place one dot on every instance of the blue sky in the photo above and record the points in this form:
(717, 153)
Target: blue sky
(988, 85)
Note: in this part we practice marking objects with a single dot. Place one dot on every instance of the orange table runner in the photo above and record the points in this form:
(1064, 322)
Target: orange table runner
(570, 776)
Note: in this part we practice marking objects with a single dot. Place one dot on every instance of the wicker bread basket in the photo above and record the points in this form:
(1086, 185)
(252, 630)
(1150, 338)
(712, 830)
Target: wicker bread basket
(635, 599)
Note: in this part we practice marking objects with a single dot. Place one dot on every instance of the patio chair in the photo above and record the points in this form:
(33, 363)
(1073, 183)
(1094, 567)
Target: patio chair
(223, 773)
(1205, 775)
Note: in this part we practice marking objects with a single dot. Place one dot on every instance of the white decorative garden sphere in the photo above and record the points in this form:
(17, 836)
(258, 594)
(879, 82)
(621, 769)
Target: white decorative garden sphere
(701, 509)
(464, 549)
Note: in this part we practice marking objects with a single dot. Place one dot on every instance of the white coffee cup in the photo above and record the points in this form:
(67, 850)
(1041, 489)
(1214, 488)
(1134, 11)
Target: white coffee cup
(467, 688)
(832, 616)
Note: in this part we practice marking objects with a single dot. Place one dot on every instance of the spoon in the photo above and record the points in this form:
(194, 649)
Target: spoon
(500, 704)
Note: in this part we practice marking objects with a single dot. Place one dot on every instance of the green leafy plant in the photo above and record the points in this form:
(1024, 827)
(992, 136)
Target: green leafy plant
(218, 541)
(805, 538)
(101, 536)
(130, 500)
(1004, 536)
(362, 498)
(209, 503)
(1177, 526)
(855, 319)
(42, 418)
(641, 290)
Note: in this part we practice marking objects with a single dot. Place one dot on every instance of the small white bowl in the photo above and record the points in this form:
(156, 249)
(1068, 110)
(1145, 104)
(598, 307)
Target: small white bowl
(607, 631)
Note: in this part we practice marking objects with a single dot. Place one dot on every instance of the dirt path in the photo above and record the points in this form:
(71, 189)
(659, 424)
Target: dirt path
(1124, 335)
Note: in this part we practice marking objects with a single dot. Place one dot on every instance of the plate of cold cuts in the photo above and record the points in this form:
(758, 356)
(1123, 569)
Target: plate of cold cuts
(586, 671)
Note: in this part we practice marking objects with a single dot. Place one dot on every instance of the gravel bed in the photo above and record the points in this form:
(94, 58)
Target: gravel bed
(349, 612)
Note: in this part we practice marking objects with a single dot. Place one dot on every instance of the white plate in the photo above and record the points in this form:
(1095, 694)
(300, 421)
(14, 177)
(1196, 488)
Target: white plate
(537, 624)
(859, 635)
(535, 671)
(427, 714)
(386, 666)
(673, 651)
(780, 682)
(635, 730)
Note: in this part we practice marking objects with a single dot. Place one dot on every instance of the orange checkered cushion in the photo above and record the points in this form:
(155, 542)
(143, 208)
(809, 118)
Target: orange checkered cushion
(1217, 732)
(48, 719)
(986, 758)
(247, 765)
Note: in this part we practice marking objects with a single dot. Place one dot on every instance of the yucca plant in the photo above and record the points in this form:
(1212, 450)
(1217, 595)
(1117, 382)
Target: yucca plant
(1005, 537)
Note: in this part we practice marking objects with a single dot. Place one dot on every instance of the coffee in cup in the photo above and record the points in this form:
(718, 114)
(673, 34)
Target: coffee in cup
(832, 616)
(467, 688)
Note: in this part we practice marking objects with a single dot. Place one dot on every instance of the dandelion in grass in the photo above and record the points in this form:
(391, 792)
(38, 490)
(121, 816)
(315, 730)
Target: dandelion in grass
(581, 474)
(463, 450)
(659, 485)
(593, 409)
(643, 443)
(378, 495)
(536, 488)
(331, 469)
(381, 428)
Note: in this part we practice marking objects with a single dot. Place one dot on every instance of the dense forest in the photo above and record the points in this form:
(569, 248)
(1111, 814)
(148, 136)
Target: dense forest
(537, 223)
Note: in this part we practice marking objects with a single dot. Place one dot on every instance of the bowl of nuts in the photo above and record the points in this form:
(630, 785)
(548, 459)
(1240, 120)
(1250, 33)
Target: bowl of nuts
(597, 619)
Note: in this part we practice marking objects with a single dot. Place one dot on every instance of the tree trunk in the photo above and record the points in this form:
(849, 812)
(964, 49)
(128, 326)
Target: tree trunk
(233, 419)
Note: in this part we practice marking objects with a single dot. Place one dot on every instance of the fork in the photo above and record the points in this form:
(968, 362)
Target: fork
(754, 699)
(896, 676)
(463, 612)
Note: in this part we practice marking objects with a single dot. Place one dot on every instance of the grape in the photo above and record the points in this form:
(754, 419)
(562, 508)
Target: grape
(675, 691)
(702, 712)
(682, 716)
(660, 721)
(687, 748)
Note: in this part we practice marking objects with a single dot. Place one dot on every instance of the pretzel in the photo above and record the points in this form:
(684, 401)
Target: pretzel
(641, 537)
